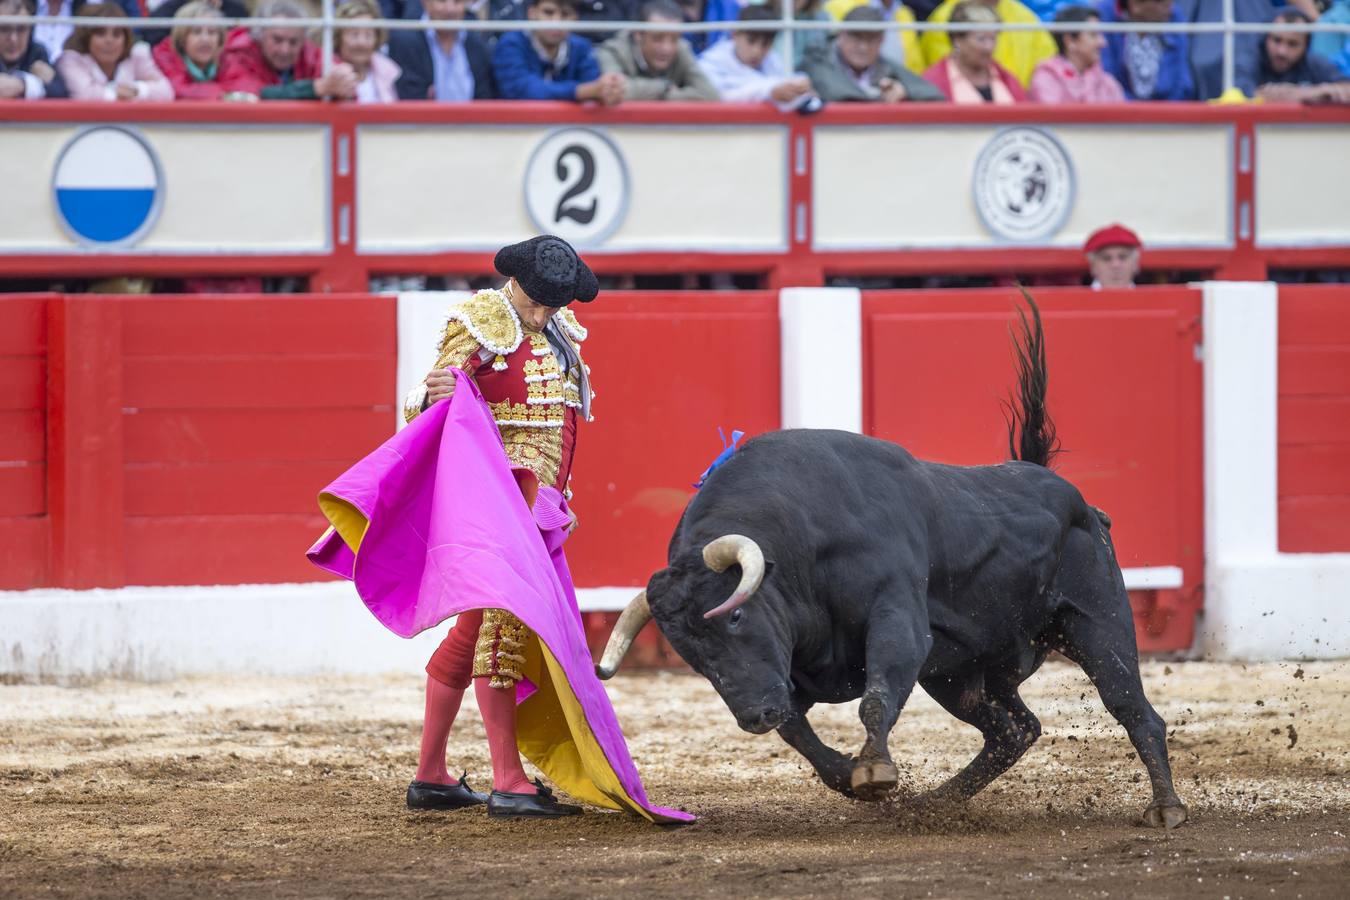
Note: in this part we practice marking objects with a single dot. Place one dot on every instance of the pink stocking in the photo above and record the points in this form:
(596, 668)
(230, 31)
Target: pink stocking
(498, 706)
(442, 707)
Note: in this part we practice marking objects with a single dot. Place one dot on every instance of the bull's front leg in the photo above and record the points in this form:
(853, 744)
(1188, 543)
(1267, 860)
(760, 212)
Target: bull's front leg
(897, 646)
(834, 768)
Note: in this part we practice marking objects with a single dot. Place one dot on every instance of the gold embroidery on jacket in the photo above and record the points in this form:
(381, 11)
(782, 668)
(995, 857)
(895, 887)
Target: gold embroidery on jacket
(499, 654)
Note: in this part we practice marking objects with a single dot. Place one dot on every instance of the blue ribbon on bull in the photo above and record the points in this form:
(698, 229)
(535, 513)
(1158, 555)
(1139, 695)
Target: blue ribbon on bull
(727, 450)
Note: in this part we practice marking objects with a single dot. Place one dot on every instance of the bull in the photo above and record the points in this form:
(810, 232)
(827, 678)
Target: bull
(822, 566)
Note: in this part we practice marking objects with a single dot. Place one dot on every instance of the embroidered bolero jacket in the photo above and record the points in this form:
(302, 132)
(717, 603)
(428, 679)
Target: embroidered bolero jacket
(536, 398)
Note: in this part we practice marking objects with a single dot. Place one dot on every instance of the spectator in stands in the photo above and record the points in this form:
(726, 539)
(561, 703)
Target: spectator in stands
(853, 68)
(745, 71)
(656, 65)
(279, 63)
(25, 72)
(708, 11)
(103, 62)
(1206, 50)
(1019, 52)
(1076, 74)
(1113, 257)
(53, 36)
(1291, 73)
(190, 56)
(1334, 46)
(1148, 65)
(230, 9)
(803, 41)
(376, 74)
(970, 73)
(899, 46)
(448, 66)
(552, 65)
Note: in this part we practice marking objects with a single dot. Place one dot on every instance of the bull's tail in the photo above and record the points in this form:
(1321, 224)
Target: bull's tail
(1031, 433)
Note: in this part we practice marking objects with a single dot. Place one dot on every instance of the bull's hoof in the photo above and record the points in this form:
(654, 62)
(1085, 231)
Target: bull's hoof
(872, 781)
(1169, 817)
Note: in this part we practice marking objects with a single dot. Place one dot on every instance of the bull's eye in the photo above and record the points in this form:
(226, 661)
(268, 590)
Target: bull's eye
(736, 616)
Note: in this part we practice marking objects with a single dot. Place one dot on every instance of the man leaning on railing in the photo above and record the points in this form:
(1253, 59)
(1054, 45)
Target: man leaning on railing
(1291, 73)
(656, 65)
(552, 65)
(449, 65)
(852, 67)
(280, 63)
(25, 71)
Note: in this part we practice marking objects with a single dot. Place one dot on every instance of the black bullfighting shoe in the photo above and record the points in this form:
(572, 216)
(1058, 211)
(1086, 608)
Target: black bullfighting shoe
(508, 805)
(427, 795)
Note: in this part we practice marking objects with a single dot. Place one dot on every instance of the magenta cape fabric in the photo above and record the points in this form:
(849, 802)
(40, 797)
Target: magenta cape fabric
(450, 531)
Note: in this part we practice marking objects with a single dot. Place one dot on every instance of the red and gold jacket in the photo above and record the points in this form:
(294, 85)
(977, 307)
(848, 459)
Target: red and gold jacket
(536, 400)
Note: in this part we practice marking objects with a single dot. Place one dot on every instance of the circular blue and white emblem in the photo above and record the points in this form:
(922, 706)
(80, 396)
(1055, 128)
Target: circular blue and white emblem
(108, 187)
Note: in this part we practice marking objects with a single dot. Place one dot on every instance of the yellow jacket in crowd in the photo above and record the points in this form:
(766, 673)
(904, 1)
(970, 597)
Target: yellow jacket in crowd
(909, 39)
(1020, 52)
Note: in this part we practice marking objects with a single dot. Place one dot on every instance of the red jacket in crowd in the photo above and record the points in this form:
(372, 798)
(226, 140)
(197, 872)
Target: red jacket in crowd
(185, 87)
(243, 68)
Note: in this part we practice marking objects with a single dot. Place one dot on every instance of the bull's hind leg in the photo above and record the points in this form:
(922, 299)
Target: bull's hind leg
(1096, 630)
(994, 707)
(897, 646)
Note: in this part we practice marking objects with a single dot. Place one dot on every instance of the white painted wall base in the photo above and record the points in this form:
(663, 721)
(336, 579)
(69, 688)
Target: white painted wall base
(1260, 604)
(155, 633)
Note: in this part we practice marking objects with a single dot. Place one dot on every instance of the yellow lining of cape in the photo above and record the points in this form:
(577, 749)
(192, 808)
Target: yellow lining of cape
(552, 733)
(551, 727)
(348, 521)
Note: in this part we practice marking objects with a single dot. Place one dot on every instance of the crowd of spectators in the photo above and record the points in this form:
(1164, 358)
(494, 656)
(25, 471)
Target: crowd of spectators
(852, 61)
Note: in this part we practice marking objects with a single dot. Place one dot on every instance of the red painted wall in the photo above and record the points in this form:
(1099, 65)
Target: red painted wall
(23, 443)
(1314, 419)
(668, 371)
(1125, 394)
(191, 435)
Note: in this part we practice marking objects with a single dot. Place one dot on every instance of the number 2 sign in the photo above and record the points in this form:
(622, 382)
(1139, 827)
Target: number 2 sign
(576, 186)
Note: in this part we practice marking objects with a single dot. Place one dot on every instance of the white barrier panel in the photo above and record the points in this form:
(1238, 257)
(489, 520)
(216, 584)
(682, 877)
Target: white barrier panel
(213, 189)
(249, 629)
(1259, 603)
(816, 395)
(1302, 194)
(636, 188)
(879, 187)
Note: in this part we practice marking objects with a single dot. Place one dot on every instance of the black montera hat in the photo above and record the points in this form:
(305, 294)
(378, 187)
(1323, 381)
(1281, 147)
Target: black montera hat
(549, 270)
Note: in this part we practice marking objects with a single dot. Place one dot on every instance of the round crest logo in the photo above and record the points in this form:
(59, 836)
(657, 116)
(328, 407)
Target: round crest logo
(107, 187)
(576, 186)
(1023, 185)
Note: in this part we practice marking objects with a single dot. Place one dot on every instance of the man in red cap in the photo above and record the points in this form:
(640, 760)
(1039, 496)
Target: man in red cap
(1113, 257)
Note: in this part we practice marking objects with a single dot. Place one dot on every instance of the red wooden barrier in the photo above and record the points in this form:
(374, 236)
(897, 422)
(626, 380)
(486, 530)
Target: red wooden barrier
(1125, 393)
(24, 527)
(1314, 419)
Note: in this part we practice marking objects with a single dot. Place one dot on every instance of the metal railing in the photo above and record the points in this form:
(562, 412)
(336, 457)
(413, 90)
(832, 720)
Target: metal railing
(327, 23)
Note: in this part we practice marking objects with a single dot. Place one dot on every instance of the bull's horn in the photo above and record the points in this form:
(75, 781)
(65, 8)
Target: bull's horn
(735, 548)
(635, 615)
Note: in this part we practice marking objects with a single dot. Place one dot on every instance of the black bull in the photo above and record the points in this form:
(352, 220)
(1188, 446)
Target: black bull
(863, 570)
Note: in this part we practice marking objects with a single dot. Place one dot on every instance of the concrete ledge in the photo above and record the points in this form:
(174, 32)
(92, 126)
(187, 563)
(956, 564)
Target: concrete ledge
(1288, 606)
(155, 633)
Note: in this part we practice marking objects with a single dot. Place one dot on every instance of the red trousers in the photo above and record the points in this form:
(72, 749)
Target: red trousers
(452, 663)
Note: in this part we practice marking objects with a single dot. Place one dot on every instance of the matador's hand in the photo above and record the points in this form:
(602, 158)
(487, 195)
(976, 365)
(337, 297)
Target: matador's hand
(440, 384)
(573, 526)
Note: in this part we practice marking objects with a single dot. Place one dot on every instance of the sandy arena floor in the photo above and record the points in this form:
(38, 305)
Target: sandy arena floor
(294, 788)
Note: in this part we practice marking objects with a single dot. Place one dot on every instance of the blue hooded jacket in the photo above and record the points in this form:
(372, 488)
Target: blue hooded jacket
(1175, 81)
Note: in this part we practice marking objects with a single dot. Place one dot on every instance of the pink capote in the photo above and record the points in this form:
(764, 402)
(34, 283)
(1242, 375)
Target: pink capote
(449, 530)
